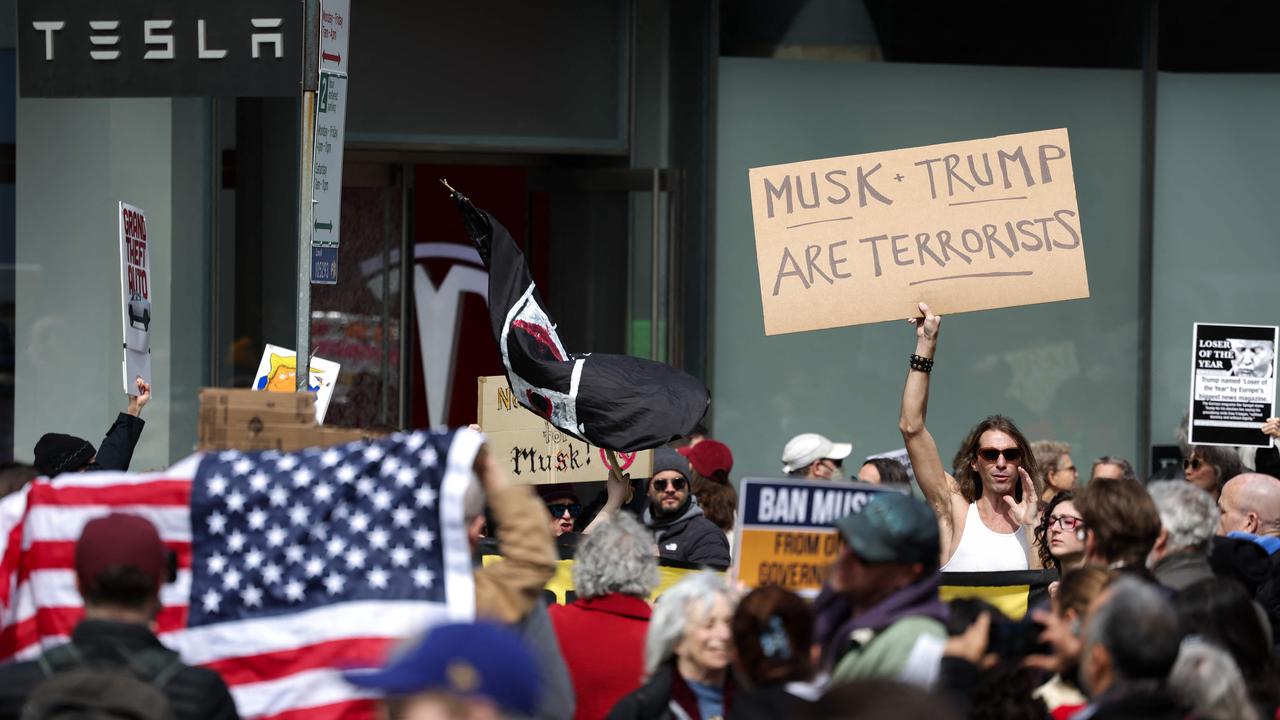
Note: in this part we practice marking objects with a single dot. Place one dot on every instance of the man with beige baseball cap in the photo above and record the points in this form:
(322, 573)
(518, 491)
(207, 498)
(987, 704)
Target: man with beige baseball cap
(814, 457)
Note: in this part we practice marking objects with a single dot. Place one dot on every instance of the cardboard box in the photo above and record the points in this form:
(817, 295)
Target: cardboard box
(233, 418)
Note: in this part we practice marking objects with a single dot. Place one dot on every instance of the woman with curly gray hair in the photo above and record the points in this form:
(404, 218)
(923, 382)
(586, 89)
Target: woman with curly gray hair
(686, 655)
(602, 632)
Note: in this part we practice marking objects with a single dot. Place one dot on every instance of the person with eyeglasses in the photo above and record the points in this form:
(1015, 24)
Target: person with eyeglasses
(564, 506)
(814, 457)
(1209, 467)
(1060, 534)
(681, 530)
(1059, 472)
(987, 510)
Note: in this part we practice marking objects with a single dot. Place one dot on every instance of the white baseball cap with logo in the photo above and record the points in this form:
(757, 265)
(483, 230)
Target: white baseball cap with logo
(805, 449)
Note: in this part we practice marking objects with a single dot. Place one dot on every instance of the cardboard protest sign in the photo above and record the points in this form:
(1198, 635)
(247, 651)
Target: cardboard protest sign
(535, 451)
(785, 535)
(962, 226)
(135, 295)
(278, 372)
(1233, 384)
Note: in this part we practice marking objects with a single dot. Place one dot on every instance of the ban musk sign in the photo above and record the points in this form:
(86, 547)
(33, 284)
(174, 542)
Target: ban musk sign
(785, 532)
(962, 226)
(159, 48)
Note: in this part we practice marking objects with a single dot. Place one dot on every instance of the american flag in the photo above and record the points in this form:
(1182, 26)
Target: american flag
(292, 566)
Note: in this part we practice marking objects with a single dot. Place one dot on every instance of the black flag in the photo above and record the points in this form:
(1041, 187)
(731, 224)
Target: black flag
(616, 402)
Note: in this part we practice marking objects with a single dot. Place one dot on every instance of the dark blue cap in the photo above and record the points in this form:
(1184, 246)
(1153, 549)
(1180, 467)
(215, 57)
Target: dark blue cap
(469, 659)
(892, 528)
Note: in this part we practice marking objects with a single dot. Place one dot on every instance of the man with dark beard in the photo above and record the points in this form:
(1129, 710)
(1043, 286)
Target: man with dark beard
(679, 527)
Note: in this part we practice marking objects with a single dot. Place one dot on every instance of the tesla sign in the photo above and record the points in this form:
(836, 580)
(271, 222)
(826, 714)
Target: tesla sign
(156, 48)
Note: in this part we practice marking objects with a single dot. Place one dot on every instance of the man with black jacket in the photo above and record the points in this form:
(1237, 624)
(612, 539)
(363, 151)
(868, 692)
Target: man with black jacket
(120, 565)
(679, 527)
(57, 453)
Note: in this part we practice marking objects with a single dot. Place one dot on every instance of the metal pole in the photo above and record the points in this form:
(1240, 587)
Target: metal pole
(385, 395)
(405, 329)
(306, 160)
(214, 337)
(654, 264)
(1146, 230)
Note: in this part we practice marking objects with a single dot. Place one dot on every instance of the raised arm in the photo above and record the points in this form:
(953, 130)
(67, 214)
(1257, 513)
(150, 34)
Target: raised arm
(116, 450)
(938, 487)
(617, 488)
(507, 590)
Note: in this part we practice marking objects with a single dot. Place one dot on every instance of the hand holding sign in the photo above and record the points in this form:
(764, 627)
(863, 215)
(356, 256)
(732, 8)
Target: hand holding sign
(618, 489)
(926, 326)
(1271, 427)
(139, 401)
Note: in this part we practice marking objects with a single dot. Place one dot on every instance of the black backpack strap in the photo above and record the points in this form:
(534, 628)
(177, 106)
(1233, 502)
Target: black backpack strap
(156, 665)
(59, 659)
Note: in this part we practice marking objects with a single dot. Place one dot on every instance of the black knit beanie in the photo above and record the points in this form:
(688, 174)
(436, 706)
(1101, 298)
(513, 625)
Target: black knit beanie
(57, 453)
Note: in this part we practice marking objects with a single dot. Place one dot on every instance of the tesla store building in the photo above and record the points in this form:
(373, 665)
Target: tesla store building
(613, 138)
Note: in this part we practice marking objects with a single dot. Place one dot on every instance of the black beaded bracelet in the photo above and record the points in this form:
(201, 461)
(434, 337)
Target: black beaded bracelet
(923, 364)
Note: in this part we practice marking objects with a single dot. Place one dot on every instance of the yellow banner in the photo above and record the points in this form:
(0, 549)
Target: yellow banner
(561, 584)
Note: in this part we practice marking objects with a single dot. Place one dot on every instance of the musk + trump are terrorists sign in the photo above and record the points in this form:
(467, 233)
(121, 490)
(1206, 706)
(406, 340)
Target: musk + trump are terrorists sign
(962, 226)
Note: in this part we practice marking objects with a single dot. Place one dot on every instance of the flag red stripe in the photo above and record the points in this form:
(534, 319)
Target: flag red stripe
(61, 555)
(345, 710)
(155, 492)
(348, 652)
(10, 562)
(51, 621)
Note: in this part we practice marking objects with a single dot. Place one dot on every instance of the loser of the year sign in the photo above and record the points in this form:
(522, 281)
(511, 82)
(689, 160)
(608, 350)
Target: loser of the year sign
(1233, 384)
(962, 226)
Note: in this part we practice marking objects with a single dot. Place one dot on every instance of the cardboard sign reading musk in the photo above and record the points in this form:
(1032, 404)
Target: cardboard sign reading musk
(962, 226)
(536, 452)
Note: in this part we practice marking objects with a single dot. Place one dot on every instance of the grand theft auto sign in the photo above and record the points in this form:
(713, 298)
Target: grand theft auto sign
(135, 295)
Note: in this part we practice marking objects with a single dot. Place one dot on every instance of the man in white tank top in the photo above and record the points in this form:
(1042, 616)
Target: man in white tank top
(985, 515)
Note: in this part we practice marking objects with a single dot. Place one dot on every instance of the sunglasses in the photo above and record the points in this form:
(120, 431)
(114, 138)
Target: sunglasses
(558, 510)
(677, 484)
(1012, 455)
(1192, 463)
(1066, 522)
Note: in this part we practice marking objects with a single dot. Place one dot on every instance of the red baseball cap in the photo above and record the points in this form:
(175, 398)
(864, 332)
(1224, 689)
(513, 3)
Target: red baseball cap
(120, 540)
(709, 458)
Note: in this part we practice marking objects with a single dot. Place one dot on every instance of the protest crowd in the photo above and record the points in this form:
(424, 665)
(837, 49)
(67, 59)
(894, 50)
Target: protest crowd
(1164, 597)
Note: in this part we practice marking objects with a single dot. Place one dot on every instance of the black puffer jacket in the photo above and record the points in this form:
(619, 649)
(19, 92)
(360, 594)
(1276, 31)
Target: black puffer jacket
(689, 537)
(196, 693)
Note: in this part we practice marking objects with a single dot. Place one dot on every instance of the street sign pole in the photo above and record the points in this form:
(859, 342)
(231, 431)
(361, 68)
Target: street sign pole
(330, 129)
(306, 159)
